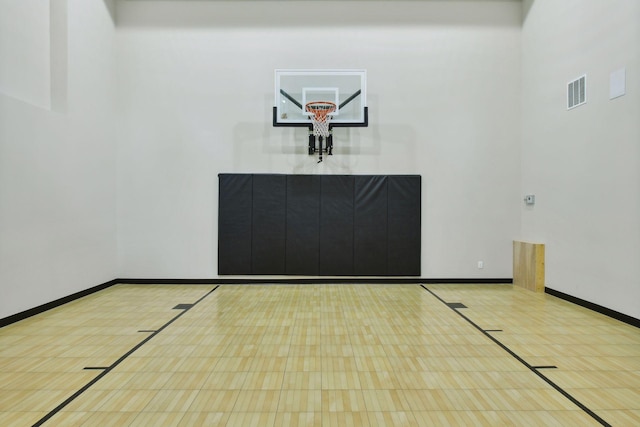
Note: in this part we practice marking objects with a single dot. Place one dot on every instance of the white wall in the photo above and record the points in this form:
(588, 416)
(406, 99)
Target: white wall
(195, 82)
(57, 167)
(583, 164)
(463, 93)
(24, 51)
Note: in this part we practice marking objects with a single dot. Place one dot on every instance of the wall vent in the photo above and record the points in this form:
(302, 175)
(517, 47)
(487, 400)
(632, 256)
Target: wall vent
(577, 92)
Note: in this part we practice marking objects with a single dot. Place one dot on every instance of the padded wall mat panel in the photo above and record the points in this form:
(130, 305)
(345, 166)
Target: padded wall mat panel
(336, 225)
(404, 219)
(234, 224)
(370, 226)
(327, 225)
(303, 224)
(269, 224)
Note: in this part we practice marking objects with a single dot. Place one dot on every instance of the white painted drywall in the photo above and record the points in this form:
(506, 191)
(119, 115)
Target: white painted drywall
(24, 51)
(58, 172)
(459, 92)
(583, 165)
(195, 93)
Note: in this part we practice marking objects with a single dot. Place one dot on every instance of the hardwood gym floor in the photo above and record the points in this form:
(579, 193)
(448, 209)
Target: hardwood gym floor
(319, 355)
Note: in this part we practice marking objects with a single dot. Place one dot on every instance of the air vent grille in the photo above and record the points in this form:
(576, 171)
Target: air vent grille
(577, 92)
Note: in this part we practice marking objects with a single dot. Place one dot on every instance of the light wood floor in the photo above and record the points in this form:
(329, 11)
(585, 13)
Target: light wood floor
(319, 355)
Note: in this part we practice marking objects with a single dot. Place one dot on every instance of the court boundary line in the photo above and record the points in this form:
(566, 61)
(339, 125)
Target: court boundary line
(107, 369)
(524, 362)
(303, 281)
(13, 318)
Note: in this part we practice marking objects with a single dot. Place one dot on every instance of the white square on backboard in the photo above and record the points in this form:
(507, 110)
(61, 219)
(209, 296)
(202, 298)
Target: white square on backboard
(617, 83)
(310, 94)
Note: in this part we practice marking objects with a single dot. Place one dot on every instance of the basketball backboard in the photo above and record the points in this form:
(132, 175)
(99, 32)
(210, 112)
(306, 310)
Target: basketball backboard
(295, 88)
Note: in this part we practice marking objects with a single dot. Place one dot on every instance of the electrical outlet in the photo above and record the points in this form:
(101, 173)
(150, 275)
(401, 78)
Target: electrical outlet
(480, 264)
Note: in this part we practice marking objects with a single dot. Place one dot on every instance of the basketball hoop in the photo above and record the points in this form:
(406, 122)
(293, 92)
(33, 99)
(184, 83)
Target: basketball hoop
(320, 117)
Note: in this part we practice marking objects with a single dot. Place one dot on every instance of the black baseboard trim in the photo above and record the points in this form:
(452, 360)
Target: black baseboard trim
(313, 280)
(595, 307)
(237, 281)
(345, 280)
(53, 304)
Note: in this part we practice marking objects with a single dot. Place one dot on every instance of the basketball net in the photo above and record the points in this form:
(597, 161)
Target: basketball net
(320, 111)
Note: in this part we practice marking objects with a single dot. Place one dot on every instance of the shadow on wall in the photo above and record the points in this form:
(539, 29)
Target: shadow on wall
(526, 7)
(262, 142)
(269, 14)
(111, 8)
(259, 146)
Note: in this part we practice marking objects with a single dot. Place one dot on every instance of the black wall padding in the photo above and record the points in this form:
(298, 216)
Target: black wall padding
(404, 219)
(370, 226)
(269, 224)
(303, 224)
(336, 225)
(327, 225)
(234, 224)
